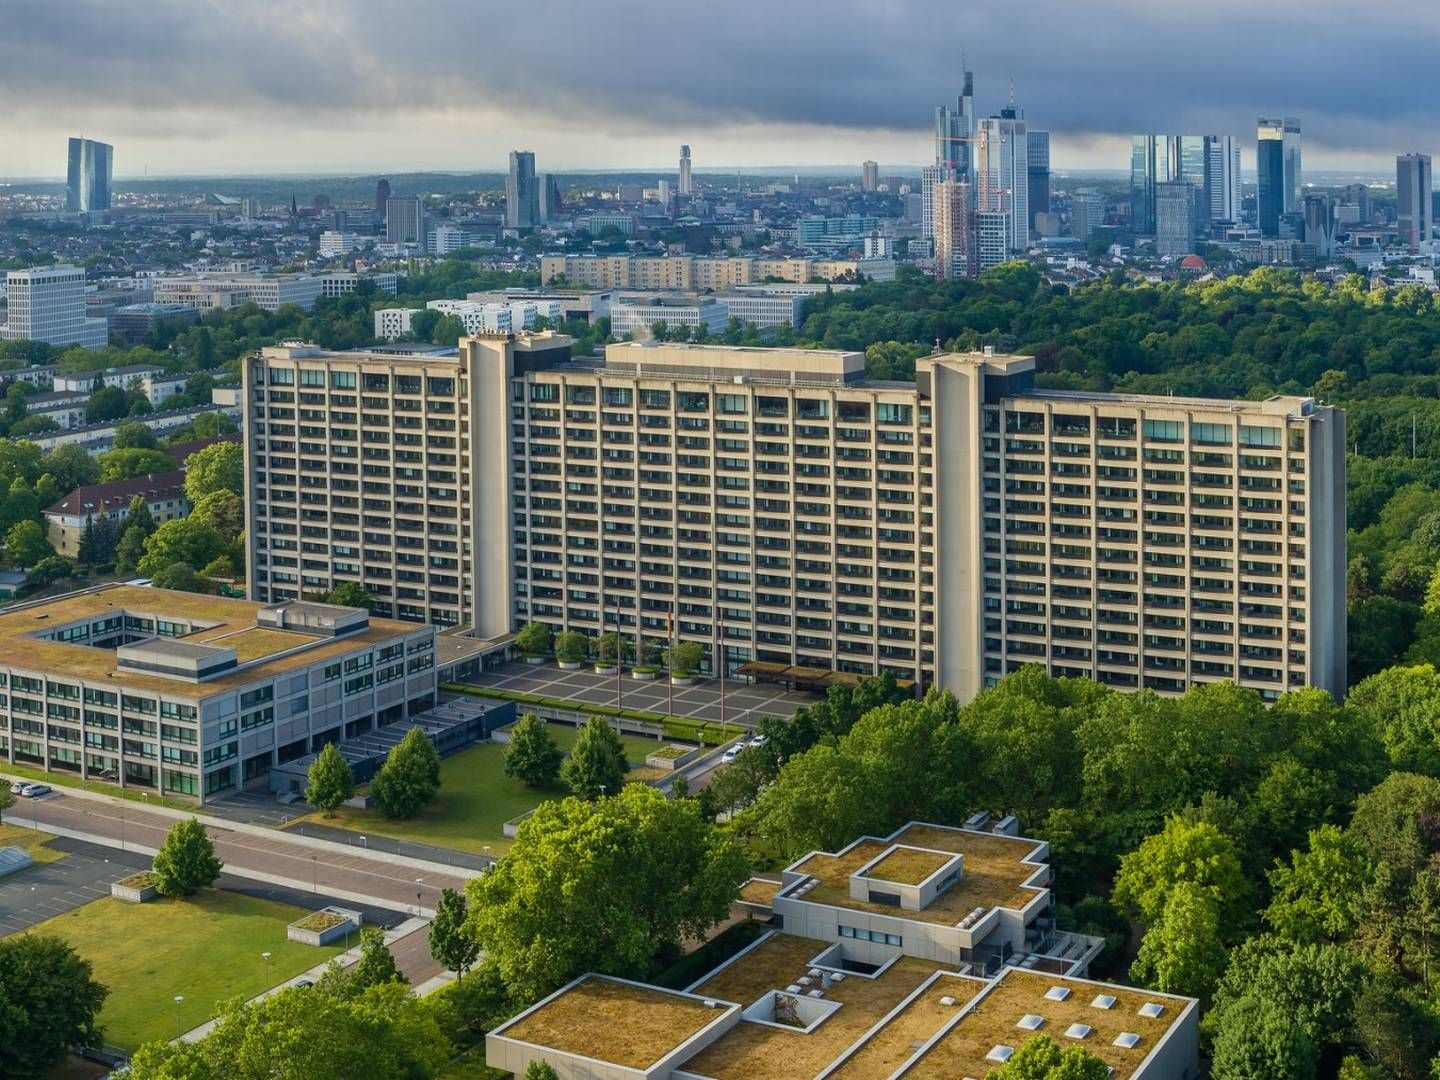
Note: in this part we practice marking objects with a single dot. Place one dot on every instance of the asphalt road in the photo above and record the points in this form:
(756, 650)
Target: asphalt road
(328, 869)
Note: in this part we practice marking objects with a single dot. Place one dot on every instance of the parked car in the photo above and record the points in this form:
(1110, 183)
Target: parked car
(18, 786)
(730, 755)
(34, 791)
(759, 740)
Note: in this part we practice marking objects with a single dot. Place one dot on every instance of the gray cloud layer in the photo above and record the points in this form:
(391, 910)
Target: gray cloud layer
(1083, 69)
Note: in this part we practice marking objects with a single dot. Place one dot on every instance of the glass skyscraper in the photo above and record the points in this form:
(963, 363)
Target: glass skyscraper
(1272, 164)
(88, 177)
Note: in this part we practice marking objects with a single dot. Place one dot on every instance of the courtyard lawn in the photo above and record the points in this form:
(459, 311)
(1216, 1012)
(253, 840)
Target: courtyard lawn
(206, 948)
(36, 843)
(476, 799)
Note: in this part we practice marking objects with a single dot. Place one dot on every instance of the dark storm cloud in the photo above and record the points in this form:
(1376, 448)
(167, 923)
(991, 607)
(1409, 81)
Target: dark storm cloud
(1103, 67)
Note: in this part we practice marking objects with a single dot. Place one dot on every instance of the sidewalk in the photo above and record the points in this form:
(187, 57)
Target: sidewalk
(409, 936)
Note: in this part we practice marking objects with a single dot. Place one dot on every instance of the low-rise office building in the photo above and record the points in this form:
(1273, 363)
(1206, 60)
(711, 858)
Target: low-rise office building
(701, 273)
(637, 316)
(869, 973)
(191, 695)
(783, 509)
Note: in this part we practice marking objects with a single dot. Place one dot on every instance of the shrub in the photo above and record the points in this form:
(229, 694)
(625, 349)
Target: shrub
(534, 639)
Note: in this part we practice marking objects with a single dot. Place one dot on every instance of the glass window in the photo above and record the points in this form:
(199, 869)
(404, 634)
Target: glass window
(1211, 434)
(1163, 430)
(282, 376)
(730, 403)
(1259, 436)
(312, 377)
(342, 380)
(887, 413)
(546, 392)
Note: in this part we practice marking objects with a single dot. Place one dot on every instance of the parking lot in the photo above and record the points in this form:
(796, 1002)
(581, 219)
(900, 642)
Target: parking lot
(744, 704)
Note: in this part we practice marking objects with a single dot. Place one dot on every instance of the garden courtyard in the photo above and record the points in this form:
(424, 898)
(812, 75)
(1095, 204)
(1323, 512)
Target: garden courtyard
(206, 948)
(476, 799)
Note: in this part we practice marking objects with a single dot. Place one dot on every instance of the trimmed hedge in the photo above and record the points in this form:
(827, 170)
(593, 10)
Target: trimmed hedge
(702, 732)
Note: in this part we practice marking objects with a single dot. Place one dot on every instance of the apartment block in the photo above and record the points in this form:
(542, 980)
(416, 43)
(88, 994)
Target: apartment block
(873, 967)
(191, 695)
(700, 273)
(779, 503)
(47, 303)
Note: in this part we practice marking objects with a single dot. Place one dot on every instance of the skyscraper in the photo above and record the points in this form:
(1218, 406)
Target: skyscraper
(549, 196)
(1177, 206)
(956, 255)
(1038, 172)
(1414, 206)
(930, 178)
(1320, 223)
(1222, 177)
(684, 186)
(1002, 174)
(382, 195)
(869, 176)
(88, 177)
(522, 192)
(954, 131)
(1270, 170)
(1293, 181)
(405, 219)
(1149, 165)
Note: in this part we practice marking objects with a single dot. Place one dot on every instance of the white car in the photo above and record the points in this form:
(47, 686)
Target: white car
(18, 787)
(758, 740)
(34, 791)
(730, 755)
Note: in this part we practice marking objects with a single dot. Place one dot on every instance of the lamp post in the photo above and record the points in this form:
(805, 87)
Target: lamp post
(419, 881)
(266, 957)
(313, 887)
(178, 999)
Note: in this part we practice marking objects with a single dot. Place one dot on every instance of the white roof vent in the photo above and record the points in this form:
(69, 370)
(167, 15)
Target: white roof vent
(1000, 1053)
(1031, 1022)
(1151, 1009)
(1057, 993)
(1103, 1001)
(1078, 1031)
(1127, 1039)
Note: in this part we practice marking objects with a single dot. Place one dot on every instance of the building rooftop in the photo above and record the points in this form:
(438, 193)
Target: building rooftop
(102, 498)
(614, 1021)
(180, 451)
(216, 623)
(999, 871)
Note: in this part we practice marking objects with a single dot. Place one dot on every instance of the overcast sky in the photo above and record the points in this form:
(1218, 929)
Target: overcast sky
(185, 87)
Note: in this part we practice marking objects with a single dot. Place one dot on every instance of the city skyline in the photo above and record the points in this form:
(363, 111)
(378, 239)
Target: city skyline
(249, 113)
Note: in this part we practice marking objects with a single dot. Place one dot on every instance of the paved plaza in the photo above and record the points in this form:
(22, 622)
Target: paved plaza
(744, 704)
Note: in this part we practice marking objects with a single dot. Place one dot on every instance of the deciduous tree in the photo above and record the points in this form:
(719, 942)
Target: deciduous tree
(49, 1002)
(330, 780)
(596, 765)
(409, 777)
(186, 860)
(532, 756)
(451, 944)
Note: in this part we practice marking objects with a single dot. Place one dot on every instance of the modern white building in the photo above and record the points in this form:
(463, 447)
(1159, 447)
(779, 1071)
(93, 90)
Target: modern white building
(764, 309)
(478, 318)
(334, 243)
(47, 303)
(131, 375)
(629, 316)
(405, 219)
(1002, 174)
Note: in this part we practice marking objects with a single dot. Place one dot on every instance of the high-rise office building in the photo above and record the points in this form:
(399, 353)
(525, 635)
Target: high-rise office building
(1178, 208)
(1358, 196)
(91, 166)
(522, 192)
(1149, 165)
(382, 195)
(955, 243)
(1414, 204)
(684, 183)
(47, 303)
(1087, 212)
(930, 178)
(869, 176)
(405, 219)
(1224, 195)
(1277, 162)
(955, 131)
(778, 502)
(550, 204)
(1319, 215)
(1002, 174)
(1038, 171)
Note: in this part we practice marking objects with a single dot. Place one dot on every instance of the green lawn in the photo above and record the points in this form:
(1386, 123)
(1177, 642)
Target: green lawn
(476, 799)
(206, 948)
(36, 843)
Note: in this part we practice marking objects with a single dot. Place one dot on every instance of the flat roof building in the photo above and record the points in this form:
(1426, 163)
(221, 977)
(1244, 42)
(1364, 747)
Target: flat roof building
(779, 504)
(186, 694)
(831, 993)
(47, 303)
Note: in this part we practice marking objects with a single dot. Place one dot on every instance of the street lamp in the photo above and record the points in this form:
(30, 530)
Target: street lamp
(419, 881)
(313, 887)
(266, 957)
(178, 999)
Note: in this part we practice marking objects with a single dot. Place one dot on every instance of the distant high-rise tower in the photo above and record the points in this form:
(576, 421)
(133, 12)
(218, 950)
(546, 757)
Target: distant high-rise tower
(1319, 217)
(1178, 206)
(88, 179)
(1149, 165)
(869, 176)
(1222, 177)
(1414, 207)
(1038, 172)
(1002, 176)
(522, 192)
(382, 195)
(684, 186)
(1273, 169)
(955, 130)
(956, 253)
(1294, 185)
(549, 196)
(405, 219)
